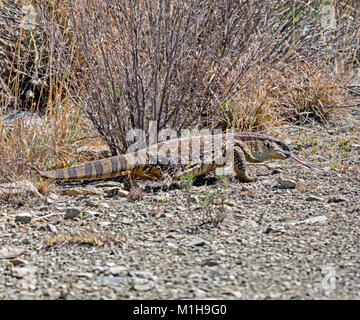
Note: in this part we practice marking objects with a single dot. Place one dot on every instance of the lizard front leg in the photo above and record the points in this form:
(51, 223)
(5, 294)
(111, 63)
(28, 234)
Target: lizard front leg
(240, 166)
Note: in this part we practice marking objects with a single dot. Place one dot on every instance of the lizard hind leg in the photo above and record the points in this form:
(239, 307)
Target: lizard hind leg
(240, 166)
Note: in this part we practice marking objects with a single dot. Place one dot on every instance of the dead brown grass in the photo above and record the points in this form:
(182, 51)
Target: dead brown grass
(290, 93)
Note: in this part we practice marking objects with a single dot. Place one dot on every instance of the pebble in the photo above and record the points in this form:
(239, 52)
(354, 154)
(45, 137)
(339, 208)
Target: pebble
(211, 263)
(310, 220)
(52, 228)
(142, 287)
(230, 202)
(80, 191)
(7, 252)
(274, 229)
(72, 213)
(18, 262)
(314, 198)
(248, 223)
(141, 274)
(23, 217)
(116, 270)
(286, 183)
(21, 272)
(196, 242)
(338, 198)
(110, 280)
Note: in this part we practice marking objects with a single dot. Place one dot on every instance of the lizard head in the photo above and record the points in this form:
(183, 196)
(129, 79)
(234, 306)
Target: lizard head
(275, 149)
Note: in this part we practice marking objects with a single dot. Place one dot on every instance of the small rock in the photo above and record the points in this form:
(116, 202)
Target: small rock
(142, 287)
(230, 202)
(141, 274)
(9, 252)
(310, 220)
(23, 217)
(122, 193)
(196, 242)
(110, 280)
(21, 272)
(210, 263)
(104, 205)
(249, 223)
(18, 262)
(72, 213)
(287, 183)
(127, 221)
(115, 192)
(52, 228)
(245, 188)
(314, 198)
(338, 198)
(80, 191)
(272, 229)
(277, 171)
(26, 241)
(116, 270)
(53, 197)
(104, 223)
(87, 275)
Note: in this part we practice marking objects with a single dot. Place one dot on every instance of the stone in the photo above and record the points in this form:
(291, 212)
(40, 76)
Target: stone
(72, 213)
(9, 252)
(249, 223)
(116, 270)
(142, 286)
(23, 217)
(338, 198)
(286, 183)
(310, 220)
(230, 202)
(80, 191)
(196, 242)
(52, 228)
(18, 262)
(314, 198)
(210, 263)
(21, 272)
(141, 274)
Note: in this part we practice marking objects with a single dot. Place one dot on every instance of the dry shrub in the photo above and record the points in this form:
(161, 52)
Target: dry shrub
(314, 77)
(173, 62)
(291, 93)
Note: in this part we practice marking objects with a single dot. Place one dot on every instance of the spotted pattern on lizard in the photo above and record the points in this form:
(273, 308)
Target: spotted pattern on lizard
(196, 155)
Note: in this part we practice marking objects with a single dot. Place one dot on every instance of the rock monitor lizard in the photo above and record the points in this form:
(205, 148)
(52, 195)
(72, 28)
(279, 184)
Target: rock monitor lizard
(196, 155)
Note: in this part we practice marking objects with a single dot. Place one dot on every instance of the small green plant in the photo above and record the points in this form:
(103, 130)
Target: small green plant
(213, 208)
(187, 181)
(345, 142)
(223, 179)
(333, 164)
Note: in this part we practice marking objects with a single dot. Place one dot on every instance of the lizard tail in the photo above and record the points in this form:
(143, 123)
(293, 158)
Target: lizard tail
(99, 169)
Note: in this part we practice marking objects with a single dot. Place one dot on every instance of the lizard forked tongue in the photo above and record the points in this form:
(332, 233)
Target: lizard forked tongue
(303, 163)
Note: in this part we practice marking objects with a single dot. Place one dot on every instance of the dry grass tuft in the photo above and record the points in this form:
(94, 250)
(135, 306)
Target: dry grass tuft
(86, 237)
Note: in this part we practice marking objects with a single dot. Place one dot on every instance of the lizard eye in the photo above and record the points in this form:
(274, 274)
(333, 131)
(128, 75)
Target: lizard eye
(268, 145)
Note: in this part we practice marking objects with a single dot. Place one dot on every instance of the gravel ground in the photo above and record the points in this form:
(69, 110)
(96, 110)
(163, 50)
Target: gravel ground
(218, 240)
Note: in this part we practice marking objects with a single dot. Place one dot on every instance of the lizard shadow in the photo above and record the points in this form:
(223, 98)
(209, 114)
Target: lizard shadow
(148, 186)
